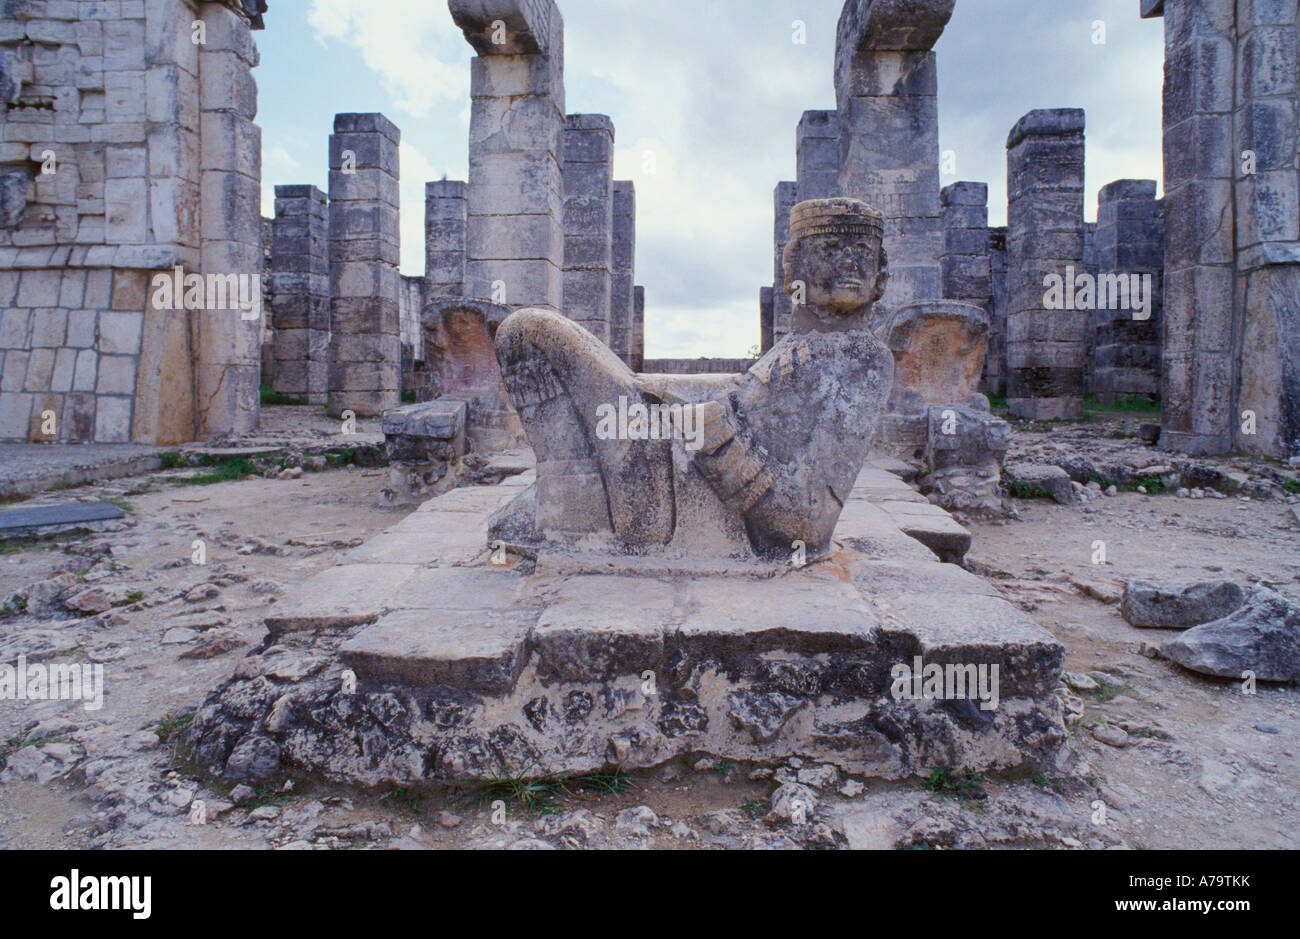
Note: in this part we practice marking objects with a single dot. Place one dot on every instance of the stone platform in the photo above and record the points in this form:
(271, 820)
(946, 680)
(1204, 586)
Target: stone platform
(418, 658)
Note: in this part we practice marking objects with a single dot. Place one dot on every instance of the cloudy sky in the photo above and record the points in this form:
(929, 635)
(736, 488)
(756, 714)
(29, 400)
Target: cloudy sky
(713, 89)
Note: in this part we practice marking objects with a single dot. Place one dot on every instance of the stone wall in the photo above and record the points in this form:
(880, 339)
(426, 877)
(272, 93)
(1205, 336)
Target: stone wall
(964, 264)
(127, 150)
(784, 198)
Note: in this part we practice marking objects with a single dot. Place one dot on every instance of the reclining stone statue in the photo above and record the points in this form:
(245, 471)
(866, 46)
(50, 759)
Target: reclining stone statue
(754, 464)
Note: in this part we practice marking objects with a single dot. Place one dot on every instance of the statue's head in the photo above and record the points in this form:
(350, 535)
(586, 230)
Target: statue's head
(836, 253)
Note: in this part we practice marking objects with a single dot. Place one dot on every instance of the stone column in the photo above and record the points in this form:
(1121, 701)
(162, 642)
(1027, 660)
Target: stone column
(366, 349)
(886, 85)
(300, 290)
(818, 155)
(515, 234)
(588, 171)
(784, 198)
(995, 368)
(622, 307)
(964, 264)
(766, 295)
(1267, 118)
(1046, 348)
(1129, 249)
(228, 342)
(1198, 368)
(444, 239)
(638, 330)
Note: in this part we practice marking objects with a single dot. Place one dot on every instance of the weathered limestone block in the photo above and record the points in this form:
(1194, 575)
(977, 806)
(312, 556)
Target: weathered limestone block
(766, 299)
(1046, 348)
(939, 349)
(886, 86)
(996, 369)
(365, 374)
(589, 225)
(937, 413)
(300, 305)
(765, 459)
(1127, 324)
(461, 365)
(425, 444)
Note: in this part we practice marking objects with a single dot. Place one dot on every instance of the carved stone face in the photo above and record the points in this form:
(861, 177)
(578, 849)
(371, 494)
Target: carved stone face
(842, 274)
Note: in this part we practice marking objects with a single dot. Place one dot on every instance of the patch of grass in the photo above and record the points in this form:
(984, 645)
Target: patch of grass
(722, 768)
(363, 457)
(14, 606)
(172, 726)
(408, 397)
(997, 402)
(268, 794)
(1124, 404)
(1023, 490)
(1044, 782)
(753, 808)
(14, 744)
(408, 800)
(223, 471)
(272, 398)
(541, 794)
(123, 505)
(172, 460)
(131, 599)
(951, 783)
(1109, 691)
(1292, 486)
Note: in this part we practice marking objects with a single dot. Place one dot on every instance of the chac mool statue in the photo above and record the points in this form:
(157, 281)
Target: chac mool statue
(760, 463)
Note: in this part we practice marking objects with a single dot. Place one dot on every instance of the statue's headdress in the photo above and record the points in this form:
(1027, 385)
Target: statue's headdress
(839, 216)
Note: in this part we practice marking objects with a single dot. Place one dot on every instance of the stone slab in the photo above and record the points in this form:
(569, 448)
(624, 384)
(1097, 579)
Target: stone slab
(22, 521)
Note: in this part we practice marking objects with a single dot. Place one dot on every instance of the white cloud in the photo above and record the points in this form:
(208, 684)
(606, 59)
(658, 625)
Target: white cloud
(405, 42)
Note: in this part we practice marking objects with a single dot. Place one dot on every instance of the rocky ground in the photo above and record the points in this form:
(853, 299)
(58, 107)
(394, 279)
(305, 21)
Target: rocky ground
(1160, 757)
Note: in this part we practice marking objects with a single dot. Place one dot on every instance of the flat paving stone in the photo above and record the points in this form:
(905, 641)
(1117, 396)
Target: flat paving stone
(17, 521)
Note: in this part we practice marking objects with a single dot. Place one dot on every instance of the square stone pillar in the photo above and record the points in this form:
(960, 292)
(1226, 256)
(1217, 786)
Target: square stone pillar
(964, 264)
(444, 239)
(784, 199)
(228, 342)
(995, 367)
(589, 222)
(622, 307)
(1046, 348)
(366, 349)
(1267, 132)
(515, 230)
(1129, 243)
(300, 291)
(638, 329)
(817, 148)
(765, 299)
(886, 85)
